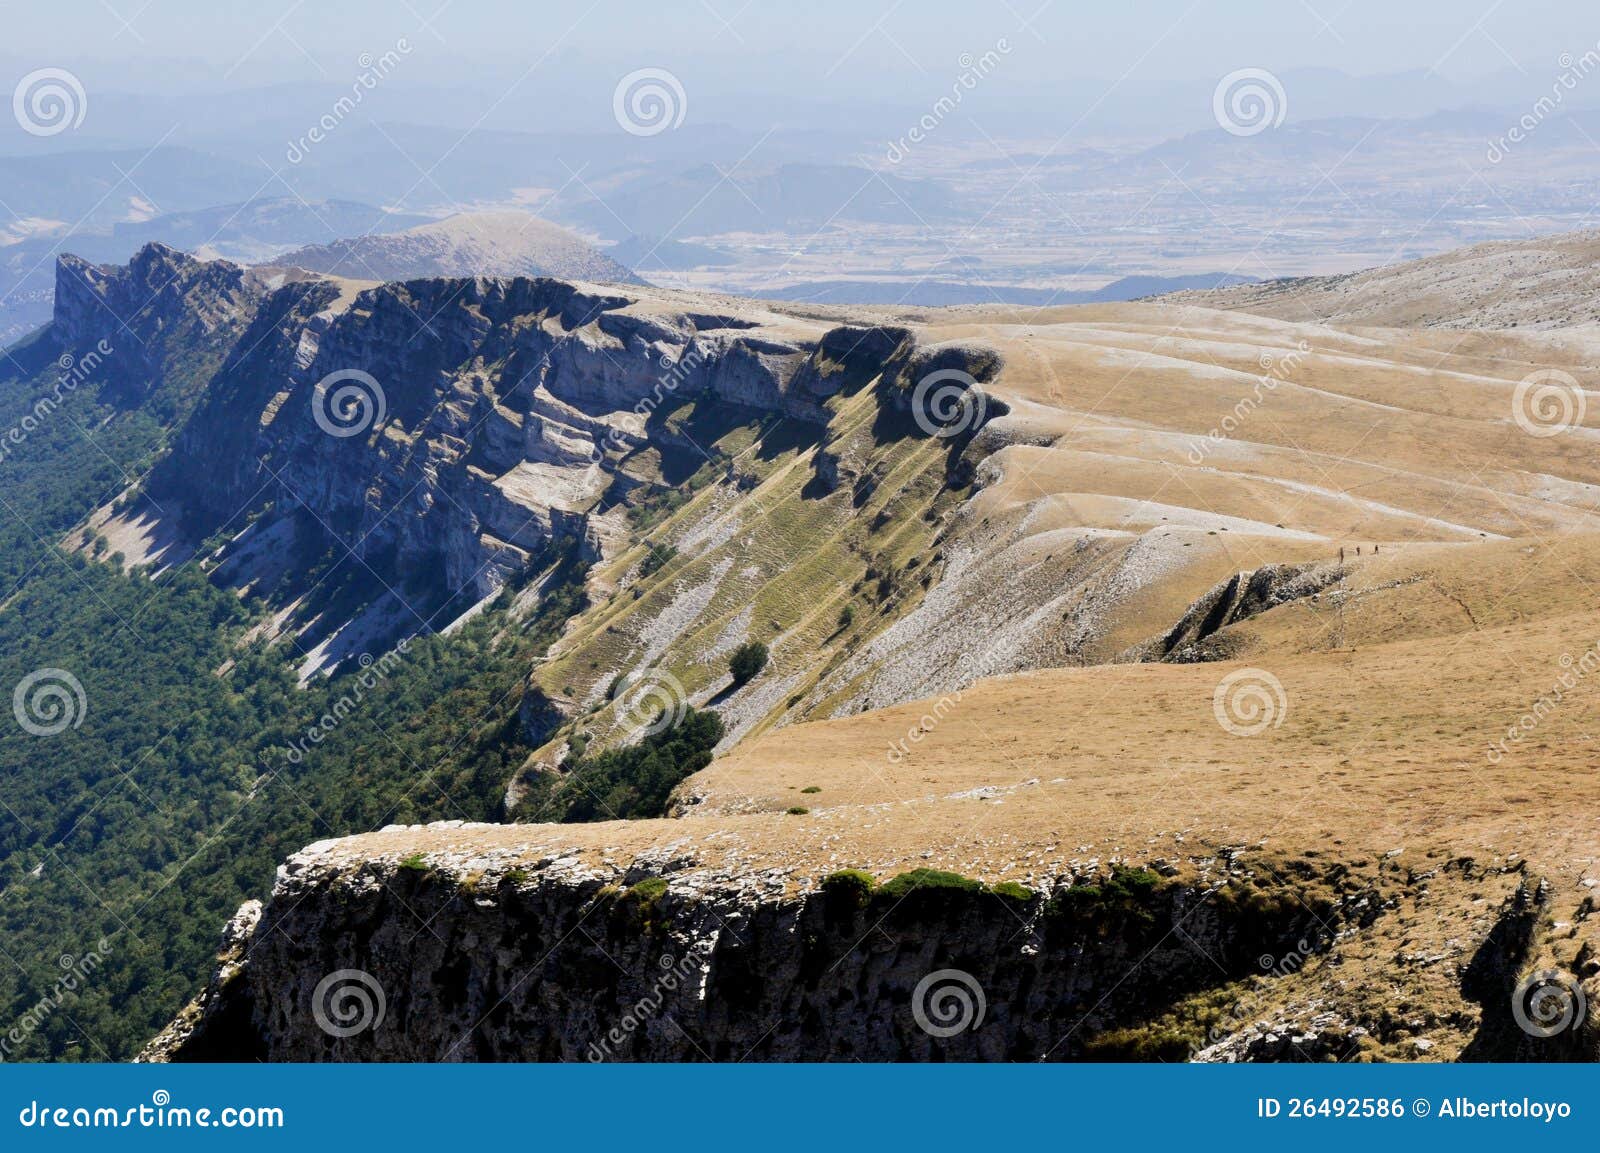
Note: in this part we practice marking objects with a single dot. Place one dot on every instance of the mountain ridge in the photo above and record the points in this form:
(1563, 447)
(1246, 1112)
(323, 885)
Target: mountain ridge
(966, 614)
(464, 245)
(1544, 283)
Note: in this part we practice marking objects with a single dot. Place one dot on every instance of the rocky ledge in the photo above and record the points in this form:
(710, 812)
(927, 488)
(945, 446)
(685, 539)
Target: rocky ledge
(487, 944)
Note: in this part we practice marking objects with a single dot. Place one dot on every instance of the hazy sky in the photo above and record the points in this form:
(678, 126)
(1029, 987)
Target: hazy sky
(866, 38)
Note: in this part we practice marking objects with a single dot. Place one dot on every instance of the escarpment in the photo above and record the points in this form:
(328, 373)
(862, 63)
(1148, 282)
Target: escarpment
(461, 943)
(438, 439)
(447, 430)
(154, 316)
(1239, 598)
(549, 955)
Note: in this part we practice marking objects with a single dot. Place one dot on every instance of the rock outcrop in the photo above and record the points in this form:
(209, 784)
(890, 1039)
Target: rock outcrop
(501, 956)
(151, 311)
(446, 433)
(1240, 597)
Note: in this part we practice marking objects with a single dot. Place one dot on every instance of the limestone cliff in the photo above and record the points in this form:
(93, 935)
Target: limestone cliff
(544, 953)
(485, 417)
(375, 460)
(488, 943)
(152, 312)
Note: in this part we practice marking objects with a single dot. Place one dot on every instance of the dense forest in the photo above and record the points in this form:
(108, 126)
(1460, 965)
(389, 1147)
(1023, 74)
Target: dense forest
(625, 783)
(183, 777)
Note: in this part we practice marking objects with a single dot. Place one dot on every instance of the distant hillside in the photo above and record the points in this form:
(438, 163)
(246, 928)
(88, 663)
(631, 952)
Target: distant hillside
(1550, 282)
(467, 244)
(245, 232)
(258, 229)
(703, 201)
(943, 293)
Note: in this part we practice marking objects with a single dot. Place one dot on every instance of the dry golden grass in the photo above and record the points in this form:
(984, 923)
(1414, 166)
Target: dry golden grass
(1399, 685)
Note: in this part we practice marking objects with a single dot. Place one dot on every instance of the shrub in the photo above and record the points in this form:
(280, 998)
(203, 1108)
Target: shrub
(1126, 895)
(659, 556)
(797, 810)
(747, 662)
(812, 789)
(415, 863)
(1144, 1044)
(648, 891)
(626, 783)
(953, 882)
(640, 902)
(930, 879)
(851, 887)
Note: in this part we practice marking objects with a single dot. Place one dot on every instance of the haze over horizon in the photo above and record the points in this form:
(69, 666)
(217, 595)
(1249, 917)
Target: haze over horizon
(546, 67)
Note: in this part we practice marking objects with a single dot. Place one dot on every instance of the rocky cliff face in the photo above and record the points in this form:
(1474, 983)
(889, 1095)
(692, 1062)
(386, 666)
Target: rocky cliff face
(443, 433)
(507, 956)
(152, 311)
(458, 942)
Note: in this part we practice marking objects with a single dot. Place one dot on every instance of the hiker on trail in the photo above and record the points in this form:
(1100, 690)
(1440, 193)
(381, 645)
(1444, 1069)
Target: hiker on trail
(1358, 550)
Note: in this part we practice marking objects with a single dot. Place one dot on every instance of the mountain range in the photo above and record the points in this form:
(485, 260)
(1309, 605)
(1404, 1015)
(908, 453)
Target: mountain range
(1109, 652)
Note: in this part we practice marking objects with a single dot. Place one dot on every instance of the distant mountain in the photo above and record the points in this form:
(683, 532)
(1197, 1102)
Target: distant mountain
(1550, 282)
(706, 201)
(937, 293)
(468, 244)
(97, 189)
(247, 232)
(259, 229)
(1322, 141)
